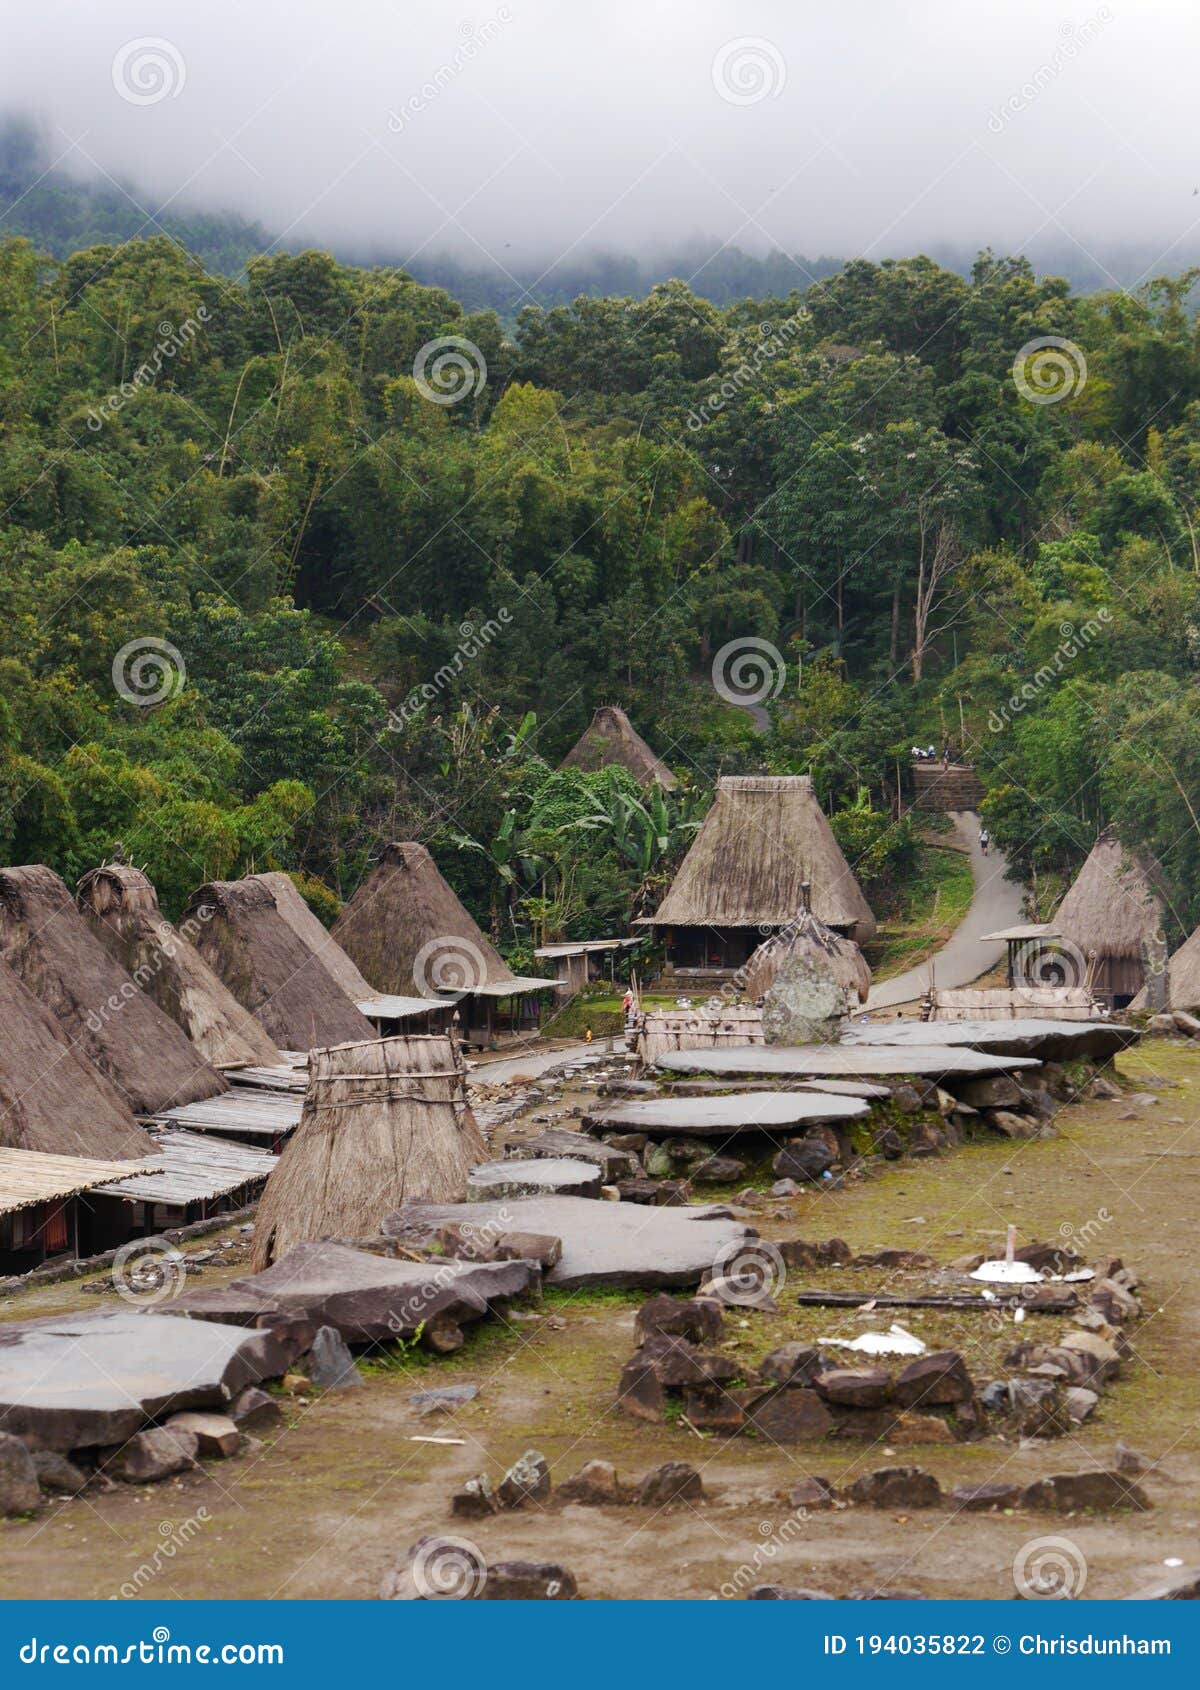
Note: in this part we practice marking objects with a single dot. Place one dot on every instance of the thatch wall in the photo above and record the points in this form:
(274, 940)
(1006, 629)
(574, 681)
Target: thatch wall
(1013, 1003)
(406, 930)
(763, 838)
(384, 1123)
(120, 906)
(270, 971)
(150, 1061)
(319, 939)
(808, 937)
(52, 1099)
(1112, 905)
(706, 1027)
(612, 738)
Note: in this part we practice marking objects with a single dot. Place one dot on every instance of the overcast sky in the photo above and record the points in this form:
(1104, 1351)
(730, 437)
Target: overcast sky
(536, 128)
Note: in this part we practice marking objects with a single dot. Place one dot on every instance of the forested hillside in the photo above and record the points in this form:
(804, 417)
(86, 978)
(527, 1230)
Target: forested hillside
(383, 592)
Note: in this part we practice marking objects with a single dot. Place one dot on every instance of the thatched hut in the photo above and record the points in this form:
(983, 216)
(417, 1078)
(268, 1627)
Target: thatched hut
(405, 929)
(110, 1020)
(384, 1123)
(612, 738)
(52, 1100)
(270, 971)
(763, 838)
(808, 937)
(1112, 910)
(305, 925)
(120, 906)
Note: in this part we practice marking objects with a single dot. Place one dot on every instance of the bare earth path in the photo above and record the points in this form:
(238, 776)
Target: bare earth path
(996, 904)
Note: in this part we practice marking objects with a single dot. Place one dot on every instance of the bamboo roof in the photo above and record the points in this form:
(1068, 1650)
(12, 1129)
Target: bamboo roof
(33, 1176)
(191, 1168)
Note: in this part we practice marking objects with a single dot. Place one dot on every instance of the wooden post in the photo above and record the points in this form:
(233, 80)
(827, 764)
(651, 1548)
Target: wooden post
(1010, 1246)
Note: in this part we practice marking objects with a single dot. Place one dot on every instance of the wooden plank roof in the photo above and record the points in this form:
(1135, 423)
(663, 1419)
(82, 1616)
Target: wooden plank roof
(191, 1168)
(35, 1176)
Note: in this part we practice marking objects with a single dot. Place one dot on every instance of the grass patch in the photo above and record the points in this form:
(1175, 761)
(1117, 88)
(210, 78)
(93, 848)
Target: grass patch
(928, 907)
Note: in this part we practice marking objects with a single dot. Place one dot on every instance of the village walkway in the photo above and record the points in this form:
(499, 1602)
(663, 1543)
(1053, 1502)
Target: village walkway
(996, 904)
(536, 1061)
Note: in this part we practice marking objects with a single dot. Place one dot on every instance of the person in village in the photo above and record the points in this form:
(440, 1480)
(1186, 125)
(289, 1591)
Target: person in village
(985, 840)
(627, 1006)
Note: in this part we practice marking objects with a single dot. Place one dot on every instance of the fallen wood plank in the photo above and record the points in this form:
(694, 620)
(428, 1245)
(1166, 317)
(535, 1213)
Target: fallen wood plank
(1050, 1301)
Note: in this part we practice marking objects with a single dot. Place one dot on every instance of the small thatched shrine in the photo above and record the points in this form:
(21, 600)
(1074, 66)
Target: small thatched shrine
(807, 937)
(270, 971)
(52, 1100)
(105, 1015)
(406, 930)
(384, 1123)
(120, 906)
(612, 738)
(705, 1026)
(763, 838)
(319, 939)
(1111, 915)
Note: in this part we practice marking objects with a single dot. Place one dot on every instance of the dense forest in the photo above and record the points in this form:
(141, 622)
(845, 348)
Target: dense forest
(283, 574)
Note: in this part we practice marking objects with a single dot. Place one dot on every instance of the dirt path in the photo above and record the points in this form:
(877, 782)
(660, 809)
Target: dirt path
(995, 904)
(328, 1507)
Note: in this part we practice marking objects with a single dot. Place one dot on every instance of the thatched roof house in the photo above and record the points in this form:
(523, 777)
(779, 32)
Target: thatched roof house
(763, 838)
(808, 936)
(1111, 909)
(384, 1123)
(150, 1061)
(270, 971)
(612, 738)
(319, 939)
(52, 1099)
(120, 906)
(406, 930)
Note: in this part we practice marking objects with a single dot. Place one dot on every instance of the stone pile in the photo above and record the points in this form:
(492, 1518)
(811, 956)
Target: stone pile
(595, 1485)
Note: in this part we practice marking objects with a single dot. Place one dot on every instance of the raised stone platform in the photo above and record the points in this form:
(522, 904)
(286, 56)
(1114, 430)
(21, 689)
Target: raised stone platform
(726, 1115)
(861, 1061)
(1040, 1037)
(534, 1177)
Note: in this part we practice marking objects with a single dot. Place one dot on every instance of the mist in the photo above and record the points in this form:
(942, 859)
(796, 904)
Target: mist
(535, 131)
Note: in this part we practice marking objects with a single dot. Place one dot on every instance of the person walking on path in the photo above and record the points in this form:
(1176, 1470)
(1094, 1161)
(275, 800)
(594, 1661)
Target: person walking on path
(985, 840)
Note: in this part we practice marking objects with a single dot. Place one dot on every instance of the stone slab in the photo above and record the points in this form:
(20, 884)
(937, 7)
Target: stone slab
(1036, 1036)
(731, 1113)
(76, 1381)
(626, 1244)
(533, 1176)
(861, 1061)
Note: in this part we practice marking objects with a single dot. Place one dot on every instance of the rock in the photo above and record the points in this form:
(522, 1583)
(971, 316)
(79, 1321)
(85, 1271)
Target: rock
(437, 1569)
(633, 1143)
(895, 1259)
(1130, 1460)
(537, 1247)
(1145, 1099)
(910, 1429)
(297, 1384)
(805, 1003)
(19, 1489)
(564, 1176)
(855, 1387)
(739, 1293)
(595, 1484)
(803, 1159)
(679, 1363)
(718, 1170)
(444, 1399)
(1188, 1024)
(640, 1391)
(991, 1091)
(1012, 1126)
(674, 1481)
(697, 1319)
(329, 1363)
(788, 1414)
(529, 1581)
(1162, 1024)
(784, 1188)
(984, 1499)
(966, 1264)
(603, 1243)
(527, 1480)
(476, 1500)
(800, 1252)
(55, 1473)
(79, 1381)
(711, 1408)
(614, 1161)
(216, 1435)
(151, 1455)
(792, 1364)
(253, 1410)
(907, 1099)
(1039, 1407)
(812, 1495)
(897, 1487)
(786, 1593)
(940, 1377)
(889, 1144)
(1101, 1358)
(1114, 1300)
(1074, 1493)
(658, 1162)
(655, 1193)
(1080, 1403)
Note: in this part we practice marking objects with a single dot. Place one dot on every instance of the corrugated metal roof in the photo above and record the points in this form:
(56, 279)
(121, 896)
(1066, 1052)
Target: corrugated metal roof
(33, 1176)
(191, 1168)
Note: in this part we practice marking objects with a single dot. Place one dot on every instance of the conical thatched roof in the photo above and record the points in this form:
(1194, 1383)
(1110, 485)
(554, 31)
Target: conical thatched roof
(1112, 904)
(765, 836)
(270, 971)
(150, 1061)
(808, 937)
(1183, 977)
(120, 906)
(384, 1123)
(51, 1098)
(405, 928)
(319, 940)
(612, 738)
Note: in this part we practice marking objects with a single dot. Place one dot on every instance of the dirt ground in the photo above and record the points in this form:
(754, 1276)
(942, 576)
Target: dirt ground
(332, 1503)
